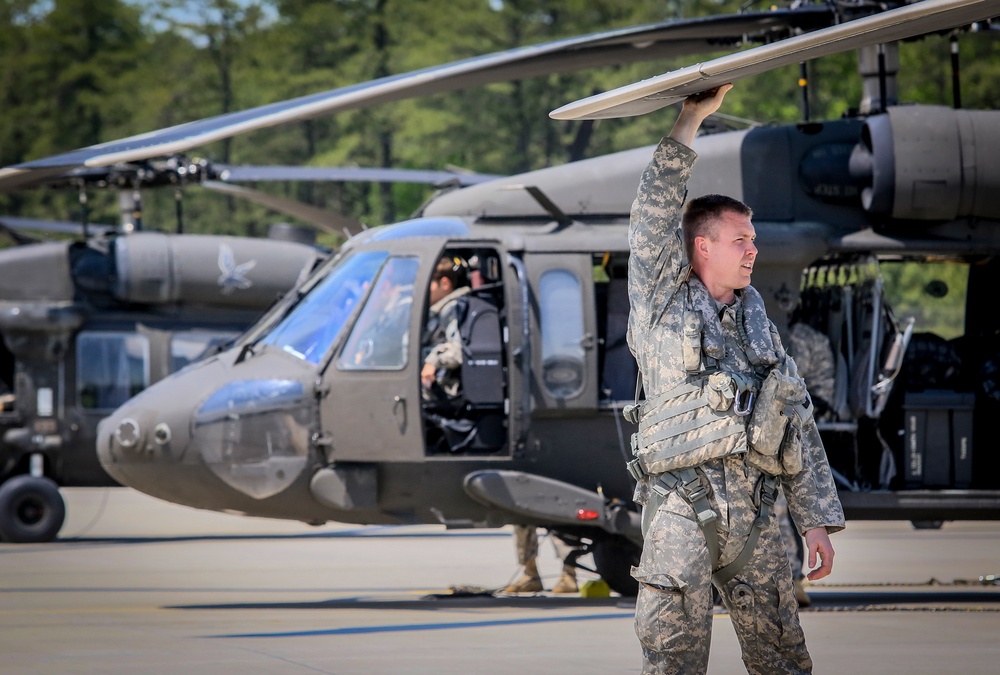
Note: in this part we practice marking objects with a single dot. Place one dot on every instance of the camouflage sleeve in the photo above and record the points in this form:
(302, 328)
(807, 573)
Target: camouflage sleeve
(448, 354)
(655, 240)
(814, 357)
(812, 494)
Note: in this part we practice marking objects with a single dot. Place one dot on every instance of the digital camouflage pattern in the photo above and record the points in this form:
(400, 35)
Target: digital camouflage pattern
(814, 358)
(789, 537)
(526, 543)
(674, 606)
(444, 341)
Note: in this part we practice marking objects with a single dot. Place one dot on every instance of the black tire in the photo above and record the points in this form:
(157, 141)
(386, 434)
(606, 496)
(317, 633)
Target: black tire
(31, 510)
(614, 558)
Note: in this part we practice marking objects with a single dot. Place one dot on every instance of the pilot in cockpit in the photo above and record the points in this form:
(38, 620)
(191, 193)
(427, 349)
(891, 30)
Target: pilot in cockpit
(440, 376)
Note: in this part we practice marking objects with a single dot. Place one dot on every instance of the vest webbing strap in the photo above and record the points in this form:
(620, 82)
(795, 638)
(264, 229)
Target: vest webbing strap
(731, 429)
(694, 490)
(768, 492)
(664, 414)
(684, 387)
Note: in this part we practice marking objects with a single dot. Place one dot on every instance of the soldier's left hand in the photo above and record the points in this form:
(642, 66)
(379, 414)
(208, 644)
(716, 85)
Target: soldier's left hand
(820, 553)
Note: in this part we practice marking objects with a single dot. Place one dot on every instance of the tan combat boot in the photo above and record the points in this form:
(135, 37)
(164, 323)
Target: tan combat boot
(530, 582)
(567, 582)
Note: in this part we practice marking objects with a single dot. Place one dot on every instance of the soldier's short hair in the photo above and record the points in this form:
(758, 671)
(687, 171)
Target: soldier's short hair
(454, 269)
(701, 214)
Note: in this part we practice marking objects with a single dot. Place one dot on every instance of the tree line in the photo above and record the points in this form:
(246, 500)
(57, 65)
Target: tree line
(78, 72)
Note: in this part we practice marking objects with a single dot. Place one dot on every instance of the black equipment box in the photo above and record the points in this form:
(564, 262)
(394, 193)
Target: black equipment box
(937, 433)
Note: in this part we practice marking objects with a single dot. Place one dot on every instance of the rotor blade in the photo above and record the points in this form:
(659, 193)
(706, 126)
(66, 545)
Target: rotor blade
(328, 221)
(19, 238)
(60, 226)
(627, 45)
(927, 16)
(252, 174)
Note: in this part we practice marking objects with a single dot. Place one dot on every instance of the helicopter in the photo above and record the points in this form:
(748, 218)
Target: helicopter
(88, 323)
(316, 413)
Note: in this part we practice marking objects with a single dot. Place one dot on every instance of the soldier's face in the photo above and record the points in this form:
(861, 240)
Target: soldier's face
(730, 252)
(440, 288)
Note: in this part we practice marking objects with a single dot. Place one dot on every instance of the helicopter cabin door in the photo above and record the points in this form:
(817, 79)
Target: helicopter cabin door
(371, 400)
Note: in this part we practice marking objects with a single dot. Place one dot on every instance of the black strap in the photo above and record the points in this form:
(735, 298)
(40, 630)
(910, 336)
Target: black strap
(766, 496)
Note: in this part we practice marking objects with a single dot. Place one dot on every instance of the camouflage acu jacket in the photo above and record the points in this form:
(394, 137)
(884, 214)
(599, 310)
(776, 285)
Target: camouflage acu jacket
(658, 297)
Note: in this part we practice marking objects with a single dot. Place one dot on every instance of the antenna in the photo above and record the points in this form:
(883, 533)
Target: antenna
(956, 85)
(84, 208)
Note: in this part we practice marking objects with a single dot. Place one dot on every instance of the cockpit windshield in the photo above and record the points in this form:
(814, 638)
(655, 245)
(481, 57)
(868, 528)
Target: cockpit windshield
(311, 327)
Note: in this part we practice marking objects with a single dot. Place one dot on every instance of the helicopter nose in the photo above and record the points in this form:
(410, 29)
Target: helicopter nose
(253, 431)
(146, 440)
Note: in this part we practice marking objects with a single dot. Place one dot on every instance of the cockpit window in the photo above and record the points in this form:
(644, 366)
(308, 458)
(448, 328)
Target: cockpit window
(381, 335)
(111, 368)
(312, 326)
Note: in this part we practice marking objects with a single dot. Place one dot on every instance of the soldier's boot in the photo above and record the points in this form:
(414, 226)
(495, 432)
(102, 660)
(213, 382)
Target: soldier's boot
(801, 596)
(530, 581)
(567, 582)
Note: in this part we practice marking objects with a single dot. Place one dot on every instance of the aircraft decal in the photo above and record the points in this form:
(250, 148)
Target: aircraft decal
(233, 276)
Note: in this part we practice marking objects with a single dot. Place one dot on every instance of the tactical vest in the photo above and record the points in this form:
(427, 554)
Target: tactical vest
(712, 413)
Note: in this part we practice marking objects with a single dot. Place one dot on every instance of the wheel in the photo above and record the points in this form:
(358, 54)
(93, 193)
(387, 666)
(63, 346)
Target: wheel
(614, 558)
(31, 509)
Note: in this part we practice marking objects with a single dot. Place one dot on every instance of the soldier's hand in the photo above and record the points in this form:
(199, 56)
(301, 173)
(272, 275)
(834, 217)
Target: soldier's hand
(695, 109)
(820, 553)
(427, 375)
(705, 103)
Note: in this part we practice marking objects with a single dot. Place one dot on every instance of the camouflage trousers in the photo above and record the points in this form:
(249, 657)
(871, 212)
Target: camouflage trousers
(789, 536)
(673, 612)
(526, 542)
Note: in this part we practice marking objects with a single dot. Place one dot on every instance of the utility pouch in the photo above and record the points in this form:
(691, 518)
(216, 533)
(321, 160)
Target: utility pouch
(691, 344)
(721, 391)
(775, 428)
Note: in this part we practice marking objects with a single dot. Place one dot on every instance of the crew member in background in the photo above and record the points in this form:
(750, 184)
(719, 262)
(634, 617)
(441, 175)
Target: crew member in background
(526, 542)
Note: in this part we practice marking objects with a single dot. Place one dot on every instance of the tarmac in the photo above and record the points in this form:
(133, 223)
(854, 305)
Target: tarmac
(136, 585)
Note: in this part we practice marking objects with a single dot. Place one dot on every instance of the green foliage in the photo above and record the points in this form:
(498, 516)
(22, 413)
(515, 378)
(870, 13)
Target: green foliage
(933, 293)
(79, 72)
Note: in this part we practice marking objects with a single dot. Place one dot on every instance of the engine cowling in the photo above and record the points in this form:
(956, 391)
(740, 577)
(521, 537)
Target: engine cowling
(930, 163)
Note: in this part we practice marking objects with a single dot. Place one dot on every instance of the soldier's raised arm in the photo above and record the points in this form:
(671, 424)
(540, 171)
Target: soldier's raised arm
(655, 239)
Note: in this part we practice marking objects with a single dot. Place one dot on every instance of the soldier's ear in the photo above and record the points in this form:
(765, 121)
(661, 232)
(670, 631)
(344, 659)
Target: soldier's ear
(701, 247)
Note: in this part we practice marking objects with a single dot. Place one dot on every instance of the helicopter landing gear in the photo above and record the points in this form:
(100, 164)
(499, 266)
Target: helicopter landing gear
(31, 509)
(614, 558)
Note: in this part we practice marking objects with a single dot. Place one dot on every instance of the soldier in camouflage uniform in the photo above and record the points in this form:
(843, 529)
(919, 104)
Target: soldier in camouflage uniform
(442, 342)
(814, 359)
(713, 506)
